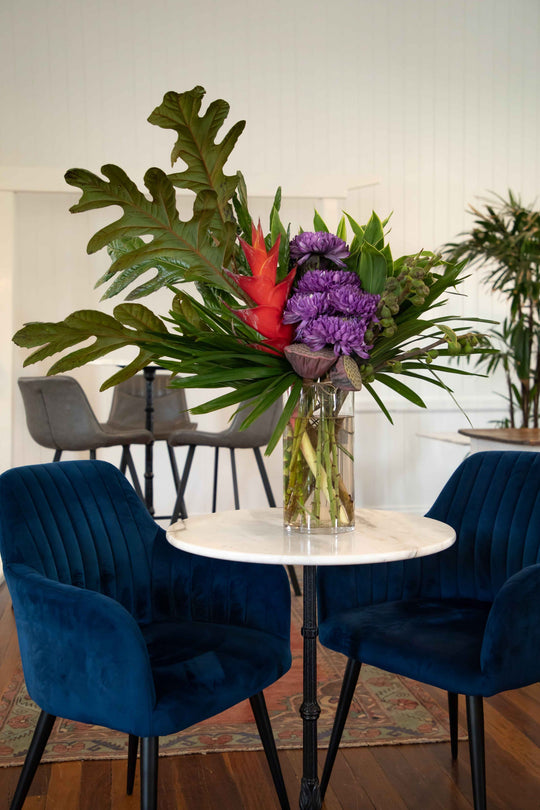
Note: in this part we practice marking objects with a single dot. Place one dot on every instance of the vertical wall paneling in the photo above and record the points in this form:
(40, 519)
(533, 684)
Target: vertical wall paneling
(418, 108)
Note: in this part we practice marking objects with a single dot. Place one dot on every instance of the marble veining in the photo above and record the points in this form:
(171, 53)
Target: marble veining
(259, 536)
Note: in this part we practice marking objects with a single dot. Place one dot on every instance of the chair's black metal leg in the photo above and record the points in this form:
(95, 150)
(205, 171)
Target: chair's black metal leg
(264, 477)
(350, 679)
(126, 452)
(260, 712)
(174, 467)
(180, 507)
(214, 490)
(149, 772)
(57, 455)
(93, 454)
(123, 460)
(475, 723)
(453, 719)
(133, 746)
(39, 741)
(234, 479)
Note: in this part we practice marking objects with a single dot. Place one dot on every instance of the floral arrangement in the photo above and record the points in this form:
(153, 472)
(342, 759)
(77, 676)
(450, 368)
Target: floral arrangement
(266, 312)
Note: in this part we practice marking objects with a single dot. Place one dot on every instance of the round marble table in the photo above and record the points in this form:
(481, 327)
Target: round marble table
(259, 536)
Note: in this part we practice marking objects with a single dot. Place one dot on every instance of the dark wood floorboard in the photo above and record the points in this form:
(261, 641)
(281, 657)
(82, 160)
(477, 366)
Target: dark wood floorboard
(411, 777)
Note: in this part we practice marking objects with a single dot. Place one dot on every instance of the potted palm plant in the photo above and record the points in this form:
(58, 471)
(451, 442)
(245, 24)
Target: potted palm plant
(505, 242)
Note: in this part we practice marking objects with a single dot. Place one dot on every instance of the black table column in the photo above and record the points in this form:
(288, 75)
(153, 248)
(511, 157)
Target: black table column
(310, 795)
(149, 375)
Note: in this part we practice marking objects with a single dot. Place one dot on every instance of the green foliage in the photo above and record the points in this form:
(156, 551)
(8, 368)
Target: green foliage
(204, 342)
(505, 242)
(178, 251)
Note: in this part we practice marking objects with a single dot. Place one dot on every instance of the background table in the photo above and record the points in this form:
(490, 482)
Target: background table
(503, 439)
(259, 536)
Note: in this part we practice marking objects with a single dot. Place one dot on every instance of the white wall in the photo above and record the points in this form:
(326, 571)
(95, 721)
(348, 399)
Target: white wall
(437, 100)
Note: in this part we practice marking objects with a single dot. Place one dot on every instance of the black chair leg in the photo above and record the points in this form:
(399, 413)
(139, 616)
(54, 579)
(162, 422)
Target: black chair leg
(149, 772)
(35, 752)
(174, 467)
(180, 507)
(260, 712)
(92, 455)
(57, 455)
(264, 477)
(133, 746)
(272, 503)
(214, 489)
(127, 461)
(475, 723)
(453, 718)
(350, 679)
(234, 479)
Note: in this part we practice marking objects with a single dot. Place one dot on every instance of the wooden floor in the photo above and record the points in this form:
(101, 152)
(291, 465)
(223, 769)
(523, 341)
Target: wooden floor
(408, 777)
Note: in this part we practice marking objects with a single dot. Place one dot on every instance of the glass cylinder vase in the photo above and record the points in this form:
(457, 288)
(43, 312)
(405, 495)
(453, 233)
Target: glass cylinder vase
(318, 461)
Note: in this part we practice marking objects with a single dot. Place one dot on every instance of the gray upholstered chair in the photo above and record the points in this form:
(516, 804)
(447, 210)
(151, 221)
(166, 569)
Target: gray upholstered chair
(169, 411)
(257, 435)
(59, 416)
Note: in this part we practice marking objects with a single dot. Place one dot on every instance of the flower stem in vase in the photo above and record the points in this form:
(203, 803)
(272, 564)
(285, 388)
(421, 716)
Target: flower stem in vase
(318, 461)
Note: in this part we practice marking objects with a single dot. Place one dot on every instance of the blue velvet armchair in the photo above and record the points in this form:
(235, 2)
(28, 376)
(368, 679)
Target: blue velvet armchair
(119, 629)
(466, 620)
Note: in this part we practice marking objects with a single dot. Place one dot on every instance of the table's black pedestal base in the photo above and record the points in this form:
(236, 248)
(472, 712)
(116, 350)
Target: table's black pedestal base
(310, 794)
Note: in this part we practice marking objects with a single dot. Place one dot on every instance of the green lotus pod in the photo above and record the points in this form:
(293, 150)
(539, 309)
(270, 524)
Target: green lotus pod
(345, 374)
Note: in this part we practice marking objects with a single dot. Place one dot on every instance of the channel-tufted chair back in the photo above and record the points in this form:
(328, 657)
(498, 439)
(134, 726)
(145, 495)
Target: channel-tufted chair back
(81, 525)
(493, 502)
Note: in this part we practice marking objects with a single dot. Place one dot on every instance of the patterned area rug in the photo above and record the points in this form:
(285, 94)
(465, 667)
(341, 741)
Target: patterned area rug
(387, 709)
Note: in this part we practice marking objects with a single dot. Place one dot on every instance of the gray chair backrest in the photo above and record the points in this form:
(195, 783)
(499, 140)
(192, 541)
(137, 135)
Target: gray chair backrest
(259, 432)
(58, 414)
(128, 404)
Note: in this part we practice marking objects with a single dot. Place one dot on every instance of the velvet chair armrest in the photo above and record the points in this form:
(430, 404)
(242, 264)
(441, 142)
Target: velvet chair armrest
(195, 588)
(83, 654)
(511, 641)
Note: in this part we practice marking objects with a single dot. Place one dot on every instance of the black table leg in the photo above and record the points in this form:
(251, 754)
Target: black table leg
(149, 375)
(310, 794)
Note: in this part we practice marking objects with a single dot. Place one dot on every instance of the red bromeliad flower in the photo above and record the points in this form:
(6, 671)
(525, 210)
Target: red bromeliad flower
(270, 298)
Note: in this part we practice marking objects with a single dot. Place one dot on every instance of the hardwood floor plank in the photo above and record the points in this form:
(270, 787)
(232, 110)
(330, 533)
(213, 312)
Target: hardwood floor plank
(96, 782)
(119, 798)
(64, 786)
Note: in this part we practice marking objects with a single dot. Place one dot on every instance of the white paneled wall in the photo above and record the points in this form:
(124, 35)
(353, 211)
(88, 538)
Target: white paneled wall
(422, 106)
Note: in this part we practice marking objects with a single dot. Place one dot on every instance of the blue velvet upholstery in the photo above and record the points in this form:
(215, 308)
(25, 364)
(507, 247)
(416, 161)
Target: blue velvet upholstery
(467, 619)
(115, 626)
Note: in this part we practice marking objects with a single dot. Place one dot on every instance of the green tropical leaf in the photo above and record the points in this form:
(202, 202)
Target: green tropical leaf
(400, 388)
(196, 144)
(372, 269)
(374, 232)
(287, 412)
(379, 402)
(199, 255)
(318, 223)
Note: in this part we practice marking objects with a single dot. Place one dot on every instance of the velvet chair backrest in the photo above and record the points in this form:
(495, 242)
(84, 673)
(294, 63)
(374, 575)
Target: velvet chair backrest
(82, 524)
(493, 502)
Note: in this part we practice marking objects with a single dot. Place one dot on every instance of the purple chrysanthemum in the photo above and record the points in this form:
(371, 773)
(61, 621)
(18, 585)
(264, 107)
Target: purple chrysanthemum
(347, 299)
(345, 335)
(323, 280)
(326, 246)
(304, 306)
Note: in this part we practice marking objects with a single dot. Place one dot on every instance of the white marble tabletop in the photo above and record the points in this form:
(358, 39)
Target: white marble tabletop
(259, 536)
